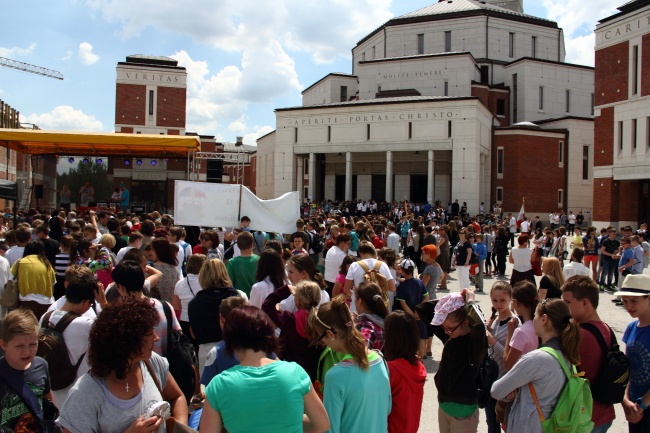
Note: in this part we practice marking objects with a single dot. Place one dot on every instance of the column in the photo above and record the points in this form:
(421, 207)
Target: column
(430, 178)
(389, 176)
(348, 176)
(312, 175)
(300, 176)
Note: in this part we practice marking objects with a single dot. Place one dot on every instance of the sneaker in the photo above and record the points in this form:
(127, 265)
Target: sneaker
(612, 288)
(602, 288)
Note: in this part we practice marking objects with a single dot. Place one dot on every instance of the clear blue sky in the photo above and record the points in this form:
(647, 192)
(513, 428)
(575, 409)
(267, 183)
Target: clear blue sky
(244, 58)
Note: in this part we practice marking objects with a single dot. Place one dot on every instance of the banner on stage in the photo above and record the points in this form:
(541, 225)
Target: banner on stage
(222, 205)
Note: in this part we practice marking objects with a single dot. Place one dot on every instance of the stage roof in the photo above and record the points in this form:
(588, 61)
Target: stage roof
(68, 143)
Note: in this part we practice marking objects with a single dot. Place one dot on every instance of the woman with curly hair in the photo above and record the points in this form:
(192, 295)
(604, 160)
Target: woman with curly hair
(249, 335)
(161, 253)
(124, 375)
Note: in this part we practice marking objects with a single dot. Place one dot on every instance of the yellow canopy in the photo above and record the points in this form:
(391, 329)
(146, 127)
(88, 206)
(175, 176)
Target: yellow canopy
(39, 142)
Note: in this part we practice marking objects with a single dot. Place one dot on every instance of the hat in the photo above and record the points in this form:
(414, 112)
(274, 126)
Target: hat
(447, 304)
(407, 264)
(635, 285)
(430, 250)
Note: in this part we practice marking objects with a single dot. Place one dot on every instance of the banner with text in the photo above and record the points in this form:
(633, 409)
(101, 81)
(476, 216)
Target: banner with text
(222, 205)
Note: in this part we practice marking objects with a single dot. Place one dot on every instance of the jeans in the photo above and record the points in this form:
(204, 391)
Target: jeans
(602, 428)
(491, 417)
(610, 271)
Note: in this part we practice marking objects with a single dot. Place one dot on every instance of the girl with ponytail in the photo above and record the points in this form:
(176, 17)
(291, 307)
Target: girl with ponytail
(557, 330)
(357, 392)
(370, 301)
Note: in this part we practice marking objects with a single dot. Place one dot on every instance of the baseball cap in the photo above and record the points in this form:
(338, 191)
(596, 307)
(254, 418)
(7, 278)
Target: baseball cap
(407, 264)
(635, 285)
(447, 304)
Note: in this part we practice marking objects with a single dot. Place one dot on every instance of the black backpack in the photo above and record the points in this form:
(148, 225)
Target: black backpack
(181, 355)
(609, 386)
(488, 373)
(52, 348)
(317, 243)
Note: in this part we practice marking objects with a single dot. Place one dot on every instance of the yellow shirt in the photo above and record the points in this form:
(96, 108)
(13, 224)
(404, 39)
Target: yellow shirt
(34, 276)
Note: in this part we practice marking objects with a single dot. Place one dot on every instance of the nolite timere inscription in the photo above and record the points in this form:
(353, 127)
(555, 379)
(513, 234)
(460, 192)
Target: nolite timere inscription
(340, 120)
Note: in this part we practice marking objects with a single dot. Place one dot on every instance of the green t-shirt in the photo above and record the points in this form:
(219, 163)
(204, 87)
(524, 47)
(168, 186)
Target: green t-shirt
(242, 270)
(266, 399)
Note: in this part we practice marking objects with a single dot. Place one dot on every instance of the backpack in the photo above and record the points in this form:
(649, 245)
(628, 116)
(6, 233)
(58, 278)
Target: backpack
(572, 412)
(488, 373)
(609, 386)
(183, 362)
(52, 348)
(184, 264)
(317, 243)
(374, 276)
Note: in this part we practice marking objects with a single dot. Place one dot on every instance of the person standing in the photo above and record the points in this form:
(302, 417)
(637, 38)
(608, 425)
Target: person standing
(124, 197)
(609, 251)
(242, 269)
(86, 194)
(512, 228)
(393, 239)
(64, 197)
(334, 258)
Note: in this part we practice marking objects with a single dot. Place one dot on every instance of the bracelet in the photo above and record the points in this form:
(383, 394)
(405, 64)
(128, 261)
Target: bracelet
(641, 404)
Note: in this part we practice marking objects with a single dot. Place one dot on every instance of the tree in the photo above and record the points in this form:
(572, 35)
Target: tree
(96, 173)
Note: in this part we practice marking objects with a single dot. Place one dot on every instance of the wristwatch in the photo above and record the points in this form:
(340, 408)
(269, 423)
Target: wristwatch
(641, 404)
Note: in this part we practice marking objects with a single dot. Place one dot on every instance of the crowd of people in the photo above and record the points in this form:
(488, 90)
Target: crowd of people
(334, 318)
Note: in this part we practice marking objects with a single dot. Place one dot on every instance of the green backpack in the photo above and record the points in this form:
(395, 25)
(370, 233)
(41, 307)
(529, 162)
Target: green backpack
(572, 412)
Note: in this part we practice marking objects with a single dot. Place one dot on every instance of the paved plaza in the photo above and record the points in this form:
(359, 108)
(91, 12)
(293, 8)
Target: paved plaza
(615, 316)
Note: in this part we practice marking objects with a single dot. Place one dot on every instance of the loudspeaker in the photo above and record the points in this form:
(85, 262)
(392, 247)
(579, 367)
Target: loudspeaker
(214, 171)
(38, 191)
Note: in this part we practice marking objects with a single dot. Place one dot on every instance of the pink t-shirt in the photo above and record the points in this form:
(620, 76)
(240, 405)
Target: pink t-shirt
(524, 338)
(340, 278)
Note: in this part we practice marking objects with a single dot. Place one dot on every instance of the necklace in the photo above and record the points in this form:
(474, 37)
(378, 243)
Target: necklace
(127, 387)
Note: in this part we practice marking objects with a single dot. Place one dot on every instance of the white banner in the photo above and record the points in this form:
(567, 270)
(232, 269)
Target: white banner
(222, 205)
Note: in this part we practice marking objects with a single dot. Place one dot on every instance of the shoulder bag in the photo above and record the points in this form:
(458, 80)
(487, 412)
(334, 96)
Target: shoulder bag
(9, 297)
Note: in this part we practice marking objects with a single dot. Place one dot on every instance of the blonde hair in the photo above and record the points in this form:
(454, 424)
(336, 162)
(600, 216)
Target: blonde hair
(214, 274)
(309, 294)
(108, 241)
(18, 322)
(553, 271)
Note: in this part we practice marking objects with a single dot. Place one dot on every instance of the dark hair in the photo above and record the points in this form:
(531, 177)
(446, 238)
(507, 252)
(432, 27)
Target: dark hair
(117, 336)
(129, 275)
(249, 327)
(147, 227)
(245, 240)
(270, 265)
(136, 255)
(23, 235)
(37, 247)
(301, 235)
(163, 250)
(522, 239)
(212, 236)
(582, 287)
(401, 337)
(565, 326)
(273, 245)
(343, 237)
(525, 293)
(373, 297)
(347, 261)
(81, 288)
(229, 304)
(195, 263)
(388, 256)
(302, 262)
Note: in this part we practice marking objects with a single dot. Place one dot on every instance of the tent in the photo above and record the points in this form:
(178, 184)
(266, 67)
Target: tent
(8, 190)
(39, 142)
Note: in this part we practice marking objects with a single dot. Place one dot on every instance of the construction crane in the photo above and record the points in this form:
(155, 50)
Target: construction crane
(26, 67)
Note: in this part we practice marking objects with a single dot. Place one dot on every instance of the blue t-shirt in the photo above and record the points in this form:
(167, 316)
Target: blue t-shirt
(637, 349)
(125, 197)
(627, 254)
(267, 399)
(411, 291)
(217, 361)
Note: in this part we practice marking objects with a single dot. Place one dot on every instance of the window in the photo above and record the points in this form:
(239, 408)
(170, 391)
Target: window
(499, 194)
(368, 131)
(533, 51)
(485, 74)
(363, 57)
(633, 140)
(421, 43)
(620, 136)
(635, 69)
(410, 130)
(446, 88)
(541, 97)
(344, 93)
(449, 129)
(560, 197)
(560, 156)
(329, 134)
(585, 162)
(305, 165)
(295, 135)
(511, 45)
(567, 101)
(374, 53)
(447, 41)
(499, 162)
(514, 98)
(501, 107)
(593, 101)
(151, 102)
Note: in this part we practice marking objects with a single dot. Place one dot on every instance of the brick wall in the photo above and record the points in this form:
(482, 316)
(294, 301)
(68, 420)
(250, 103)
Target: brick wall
(130, 104)
(170, 107)
(604, 137)
(531, 170)
(489, 99)
(629, 200)
(606, 200)
(645, 65)
(611, 74)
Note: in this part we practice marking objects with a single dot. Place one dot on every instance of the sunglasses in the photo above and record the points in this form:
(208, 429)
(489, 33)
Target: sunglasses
(452, 330)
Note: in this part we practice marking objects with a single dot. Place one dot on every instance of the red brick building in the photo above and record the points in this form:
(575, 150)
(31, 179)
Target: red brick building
(621, 192)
